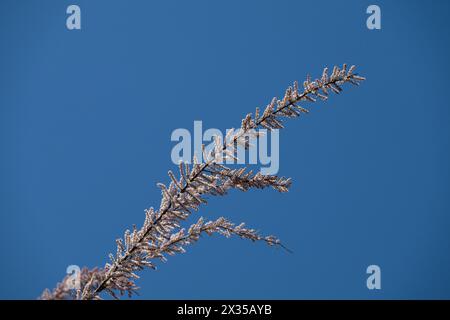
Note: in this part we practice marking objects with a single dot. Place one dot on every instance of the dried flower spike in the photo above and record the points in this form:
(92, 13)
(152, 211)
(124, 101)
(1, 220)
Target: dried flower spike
(162, 234)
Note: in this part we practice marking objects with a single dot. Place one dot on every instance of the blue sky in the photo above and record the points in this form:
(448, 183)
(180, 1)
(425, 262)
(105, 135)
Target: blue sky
(86, 118)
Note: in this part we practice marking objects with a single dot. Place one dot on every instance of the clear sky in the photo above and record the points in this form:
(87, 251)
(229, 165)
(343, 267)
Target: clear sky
(86, 117)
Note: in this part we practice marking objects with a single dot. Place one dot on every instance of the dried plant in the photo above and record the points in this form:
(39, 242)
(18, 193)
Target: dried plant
(162, 234)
